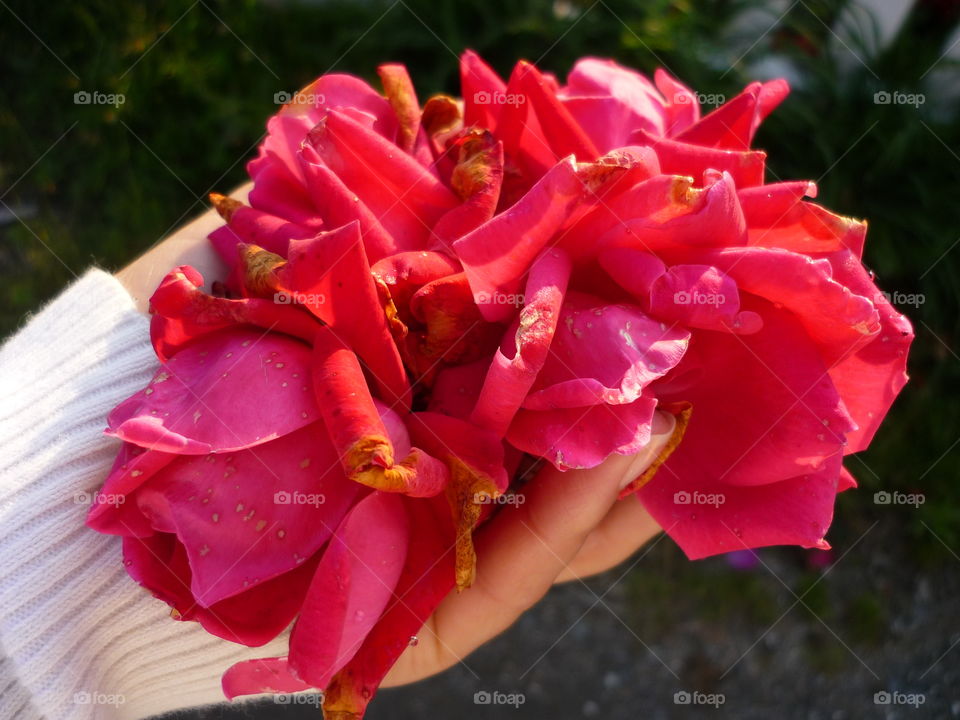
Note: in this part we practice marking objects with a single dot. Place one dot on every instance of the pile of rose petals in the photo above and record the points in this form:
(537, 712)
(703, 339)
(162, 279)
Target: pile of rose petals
(423, 297)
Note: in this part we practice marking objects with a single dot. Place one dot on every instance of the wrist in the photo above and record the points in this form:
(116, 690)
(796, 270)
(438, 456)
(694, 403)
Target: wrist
(187, 246)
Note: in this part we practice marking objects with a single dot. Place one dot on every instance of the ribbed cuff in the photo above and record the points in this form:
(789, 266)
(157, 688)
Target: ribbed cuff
(79, 639)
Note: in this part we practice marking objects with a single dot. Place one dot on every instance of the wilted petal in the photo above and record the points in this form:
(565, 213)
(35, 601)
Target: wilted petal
(477, 179)
(405, 273)
(182, 312)
(256, 227)
(398, 87)
(524, 350)
(451, 329)
(366, 450)
(474, 457)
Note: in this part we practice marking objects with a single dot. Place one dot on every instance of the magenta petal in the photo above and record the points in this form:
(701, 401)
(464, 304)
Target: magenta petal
(497, 254)
(279, 193)
(795, 511)
(240, 533)
(338, 205)
(351, 588)
(785, 418)
(604, 353)
(403, 195)
(633, 270)
(562, 132)
(525, 142)
(611, 101)
(287, 129)
(683, 105)
(679, 158)
(456, 388)
(182, 312)
(479, 85)
(700, 296)
(253, 618)
(516, 363)
(847, 480)
(255, 227)
(211, 396)
(870, 378)
(478, 178)
(778, 216)
(332, 274)
(262, 675)
(427, 577)
(443, 436)
(284, 135)
(838, 320)
(664, 214)
(583, 437)
(114, 509)
(732, 125)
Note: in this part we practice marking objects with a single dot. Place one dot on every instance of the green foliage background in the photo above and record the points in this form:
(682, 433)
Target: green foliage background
(98, 184)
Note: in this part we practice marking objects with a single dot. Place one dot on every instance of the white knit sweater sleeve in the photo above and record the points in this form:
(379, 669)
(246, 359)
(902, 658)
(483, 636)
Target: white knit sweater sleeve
(79, 640)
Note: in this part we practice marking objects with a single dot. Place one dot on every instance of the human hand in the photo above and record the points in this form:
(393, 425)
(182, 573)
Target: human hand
(186, 246)
(570, 526)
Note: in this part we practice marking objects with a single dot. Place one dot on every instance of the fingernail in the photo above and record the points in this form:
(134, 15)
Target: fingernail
(661, 429)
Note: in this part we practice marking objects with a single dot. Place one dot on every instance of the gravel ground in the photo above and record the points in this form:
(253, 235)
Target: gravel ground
(799, 635)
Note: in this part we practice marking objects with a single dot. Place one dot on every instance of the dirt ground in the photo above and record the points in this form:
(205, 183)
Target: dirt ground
(861, 632)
